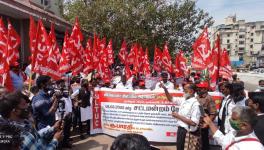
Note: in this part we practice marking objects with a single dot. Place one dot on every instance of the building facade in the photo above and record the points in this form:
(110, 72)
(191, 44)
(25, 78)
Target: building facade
(19, 11)
(243, 40)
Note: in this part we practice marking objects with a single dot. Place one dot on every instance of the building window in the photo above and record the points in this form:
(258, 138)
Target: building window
(262, 26)
(241, 36)
(252, 34)
(241, 48)
(45, 2)
(251, 40)
(228, 41)
(228, 46)
(228, 35)
(252, 27)
(251, 46)
(241, 42)
(241, 58)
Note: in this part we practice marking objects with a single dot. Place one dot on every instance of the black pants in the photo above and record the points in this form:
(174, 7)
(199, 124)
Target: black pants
(67, 128)
(181, 134)
(205, 138)
(78, 121)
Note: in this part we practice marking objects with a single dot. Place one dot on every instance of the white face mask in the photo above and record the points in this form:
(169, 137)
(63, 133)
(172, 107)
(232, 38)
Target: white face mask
(186, 95)
(261, 87)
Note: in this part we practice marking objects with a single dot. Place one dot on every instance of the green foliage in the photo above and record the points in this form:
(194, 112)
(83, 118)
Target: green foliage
(149, 22)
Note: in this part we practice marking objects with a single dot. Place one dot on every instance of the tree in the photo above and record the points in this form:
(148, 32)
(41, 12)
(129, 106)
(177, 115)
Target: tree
(149, 22)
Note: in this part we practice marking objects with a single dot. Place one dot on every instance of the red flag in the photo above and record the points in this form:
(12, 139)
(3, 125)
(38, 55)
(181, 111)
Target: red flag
(128, 72)
(53, 59)
(76, 39)
(146, 65)
(225, 65)
(41, 52)
(13, 42)
(157, 59)
(103, 69)
(214, 64)
(140, 57)
(132, 54)
(54, 44)
(4, 68)
(3, 50)
(96, 57)
(109, 52)
(166, 59)
(32, 39)
(101, 46)
(88, 53)
(122, 53)
(201, 51)
(65, 61)
(135, 60)
(180, 65)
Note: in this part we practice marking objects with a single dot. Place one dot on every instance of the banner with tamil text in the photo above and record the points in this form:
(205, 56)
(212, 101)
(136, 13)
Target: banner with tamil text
(144, 112)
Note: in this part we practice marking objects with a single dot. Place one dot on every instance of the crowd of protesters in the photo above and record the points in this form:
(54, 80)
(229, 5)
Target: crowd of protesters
(46, 112)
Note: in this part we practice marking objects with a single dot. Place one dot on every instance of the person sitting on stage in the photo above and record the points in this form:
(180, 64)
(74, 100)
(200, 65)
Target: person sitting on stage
(243, 137)
(165, 82)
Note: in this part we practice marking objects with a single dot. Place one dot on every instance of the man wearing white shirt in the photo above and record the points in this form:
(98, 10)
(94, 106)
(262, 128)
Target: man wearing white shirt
(165, 82)
(238, 99)
(188, 115)
(225, 89)
(243, 137)
(124, 84)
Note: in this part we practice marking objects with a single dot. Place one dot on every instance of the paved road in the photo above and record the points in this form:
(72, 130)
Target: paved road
(103, 142)
(250, 80)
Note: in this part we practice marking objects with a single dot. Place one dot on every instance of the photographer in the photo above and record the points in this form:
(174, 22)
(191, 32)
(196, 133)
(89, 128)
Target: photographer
(64, 111)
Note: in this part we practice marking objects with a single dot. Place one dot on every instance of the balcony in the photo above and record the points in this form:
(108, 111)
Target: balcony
(241, 52)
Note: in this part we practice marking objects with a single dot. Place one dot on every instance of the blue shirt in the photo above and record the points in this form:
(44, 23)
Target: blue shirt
(41, 103)
(17, 80)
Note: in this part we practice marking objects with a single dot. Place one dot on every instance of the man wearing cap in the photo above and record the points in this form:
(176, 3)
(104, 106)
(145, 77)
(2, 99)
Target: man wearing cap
(165, 82)
(208, 104)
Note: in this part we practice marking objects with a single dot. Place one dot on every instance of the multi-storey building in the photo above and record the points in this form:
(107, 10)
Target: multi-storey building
(243, 40)
(19, 11)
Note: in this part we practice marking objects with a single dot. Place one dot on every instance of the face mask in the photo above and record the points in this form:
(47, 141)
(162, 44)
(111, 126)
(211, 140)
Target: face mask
(234, 124)
(261, 87)
(200, 93)
(186, 95)
(24, 113)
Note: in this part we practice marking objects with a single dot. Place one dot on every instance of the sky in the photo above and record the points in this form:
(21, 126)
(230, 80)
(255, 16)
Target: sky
(249, 10)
